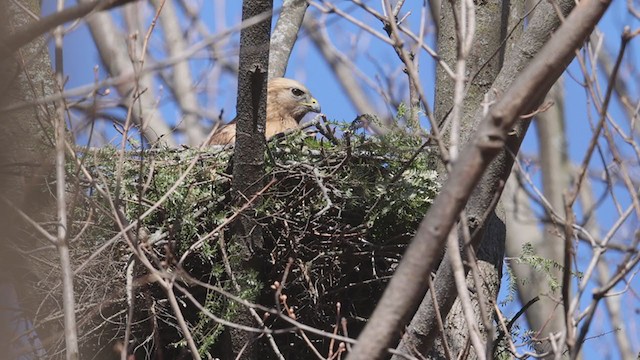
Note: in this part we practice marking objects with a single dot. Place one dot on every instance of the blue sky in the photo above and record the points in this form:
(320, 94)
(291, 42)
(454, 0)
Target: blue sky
(374, 58)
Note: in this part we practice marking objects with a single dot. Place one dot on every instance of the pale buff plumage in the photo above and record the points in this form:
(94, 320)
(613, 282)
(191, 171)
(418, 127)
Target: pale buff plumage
(288, 101)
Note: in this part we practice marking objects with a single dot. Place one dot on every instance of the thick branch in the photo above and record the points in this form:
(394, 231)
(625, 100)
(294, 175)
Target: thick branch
(406, 289)
(285, 35)
(16, 40)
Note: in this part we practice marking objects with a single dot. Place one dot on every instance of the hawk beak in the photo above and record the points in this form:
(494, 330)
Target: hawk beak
(313, 105)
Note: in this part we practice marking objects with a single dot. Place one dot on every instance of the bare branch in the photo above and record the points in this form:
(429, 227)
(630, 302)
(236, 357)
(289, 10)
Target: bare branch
(342, 67)
(14, 41)
(143, 105)
(182, 82)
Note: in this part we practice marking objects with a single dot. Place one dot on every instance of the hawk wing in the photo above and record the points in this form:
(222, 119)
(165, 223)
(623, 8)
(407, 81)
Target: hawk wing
(225, 134)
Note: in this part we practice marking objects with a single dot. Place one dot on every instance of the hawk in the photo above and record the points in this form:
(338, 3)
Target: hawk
(288, 101)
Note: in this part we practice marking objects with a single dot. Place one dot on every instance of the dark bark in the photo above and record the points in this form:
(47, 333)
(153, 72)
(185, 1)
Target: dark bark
(495, 133)
(248, 159)
(248, 166)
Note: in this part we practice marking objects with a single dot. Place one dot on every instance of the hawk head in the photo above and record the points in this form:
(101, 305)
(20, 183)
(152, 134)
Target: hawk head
(289, 98)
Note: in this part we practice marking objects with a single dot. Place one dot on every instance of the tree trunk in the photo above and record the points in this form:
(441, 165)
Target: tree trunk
(26, 145)
(248, 159)
(483, 65)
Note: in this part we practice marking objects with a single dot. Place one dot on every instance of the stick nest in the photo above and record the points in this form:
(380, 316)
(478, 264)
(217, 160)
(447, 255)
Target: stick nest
(337, 216)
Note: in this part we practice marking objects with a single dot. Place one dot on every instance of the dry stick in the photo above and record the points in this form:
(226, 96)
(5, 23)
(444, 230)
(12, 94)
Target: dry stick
(409, 33)
(222, 321)
(600, 125)
(612, 304)
(136, 94)
(136, 101)
(125, 229)
(629, 262)
(421, 33)
(472, 263)
(505, 330)
(393, 27)
(600, 293)
(412, 72)
(275, 312)
(122, 54)
(226, 222)
(465, 29)
(62, 240)
(602, 245)
(124, 352)
(52, 239)
(621, 87)
(345, 331)
(569, 253)
(176, 310)
(391, 24)
(105, 193)
(335, 330)
(513, 320)
(617, 157)
(403, 292)
(155, 274)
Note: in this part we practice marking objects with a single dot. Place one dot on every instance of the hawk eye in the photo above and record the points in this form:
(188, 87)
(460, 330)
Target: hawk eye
(297, 92)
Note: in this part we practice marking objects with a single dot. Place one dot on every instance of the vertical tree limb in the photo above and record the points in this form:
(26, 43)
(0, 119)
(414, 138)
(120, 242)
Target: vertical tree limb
(546, 316)
(248, 165)
(62, 241)
(248, 161)
(285, 35)
(612, 303)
